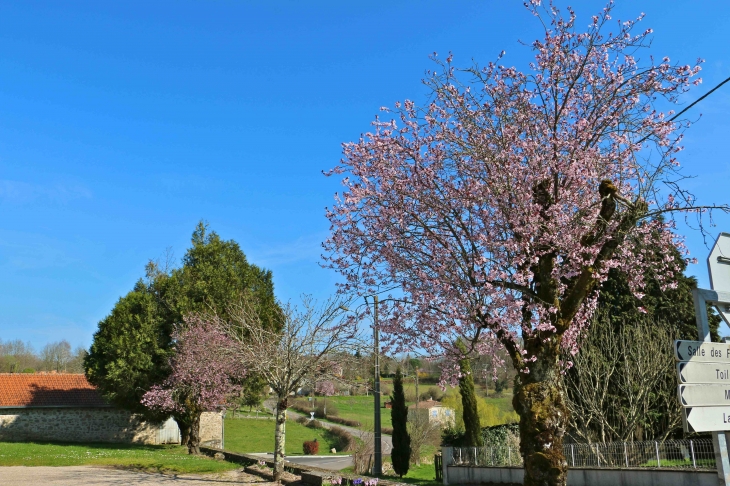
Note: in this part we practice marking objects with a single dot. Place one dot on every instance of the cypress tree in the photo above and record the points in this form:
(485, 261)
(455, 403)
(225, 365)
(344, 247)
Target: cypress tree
(472, 427)
(399, 417)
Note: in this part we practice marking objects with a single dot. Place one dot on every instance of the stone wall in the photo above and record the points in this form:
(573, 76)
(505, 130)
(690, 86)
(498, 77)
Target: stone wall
(92, 425)
(211, 429)
(75, 425)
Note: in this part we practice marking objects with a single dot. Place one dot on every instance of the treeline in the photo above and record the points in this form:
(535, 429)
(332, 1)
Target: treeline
(19, 357)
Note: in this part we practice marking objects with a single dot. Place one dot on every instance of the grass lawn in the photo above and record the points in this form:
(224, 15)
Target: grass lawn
(503, 403)
(164, 458)
(252, 435)
(361, 408)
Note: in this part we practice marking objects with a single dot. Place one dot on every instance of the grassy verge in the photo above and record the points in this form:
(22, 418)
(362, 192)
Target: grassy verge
(252, 435)
(165, 458)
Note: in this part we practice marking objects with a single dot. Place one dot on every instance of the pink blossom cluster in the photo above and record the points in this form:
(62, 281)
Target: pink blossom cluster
(324, 388)
(453, 209)
(203, 370)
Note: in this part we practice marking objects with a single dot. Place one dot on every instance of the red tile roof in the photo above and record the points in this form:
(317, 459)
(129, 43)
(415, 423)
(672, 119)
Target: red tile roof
(48, 390)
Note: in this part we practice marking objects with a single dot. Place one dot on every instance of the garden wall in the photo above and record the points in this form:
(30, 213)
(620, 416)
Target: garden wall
(91, 425)
(584, 477)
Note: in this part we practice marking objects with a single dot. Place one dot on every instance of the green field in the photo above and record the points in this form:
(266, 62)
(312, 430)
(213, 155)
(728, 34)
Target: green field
(361, 408)
(256, 435)
(166, 458)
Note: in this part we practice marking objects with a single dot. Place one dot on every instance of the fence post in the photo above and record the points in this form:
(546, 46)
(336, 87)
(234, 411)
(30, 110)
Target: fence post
(626, 455)
(658, 461)
(509, 456)
(572, 454)
(692, 451)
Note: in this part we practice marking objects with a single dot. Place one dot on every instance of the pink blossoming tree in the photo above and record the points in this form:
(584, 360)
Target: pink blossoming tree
(494, 212)
(203, 376)
(324, 388)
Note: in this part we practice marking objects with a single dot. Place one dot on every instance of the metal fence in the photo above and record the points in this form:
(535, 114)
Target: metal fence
(697, 454)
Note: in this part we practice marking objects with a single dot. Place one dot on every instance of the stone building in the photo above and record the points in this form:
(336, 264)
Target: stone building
(66, 407)
(434, 411)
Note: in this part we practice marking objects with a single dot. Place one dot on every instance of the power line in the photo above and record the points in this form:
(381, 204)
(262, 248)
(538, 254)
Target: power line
(699, 99)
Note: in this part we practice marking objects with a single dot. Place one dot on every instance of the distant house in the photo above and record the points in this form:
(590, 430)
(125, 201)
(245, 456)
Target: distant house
(435, 411)
(66, 407)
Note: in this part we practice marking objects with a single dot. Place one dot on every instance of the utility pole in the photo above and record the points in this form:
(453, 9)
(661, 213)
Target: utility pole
(377, 450)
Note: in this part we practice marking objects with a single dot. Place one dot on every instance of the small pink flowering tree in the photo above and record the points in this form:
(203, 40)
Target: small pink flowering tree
(325, 388)
(497, 209)
(203, 376)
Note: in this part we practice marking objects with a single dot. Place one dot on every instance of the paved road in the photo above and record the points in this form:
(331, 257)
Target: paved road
(333, 463)
(97, 476)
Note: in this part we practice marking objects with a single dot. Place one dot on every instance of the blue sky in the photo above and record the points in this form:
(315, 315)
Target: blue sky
(122, 124)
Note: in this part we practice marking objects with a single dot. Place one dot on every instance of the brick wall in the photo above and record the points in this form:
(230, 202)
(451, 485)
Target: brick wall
(91, 425)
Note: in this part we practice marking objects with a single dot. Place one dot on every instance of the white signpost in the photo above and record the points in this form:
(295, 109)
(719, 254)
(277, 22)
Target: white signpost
(718, 265)
(694, 372)
(704, 366)
(704, 395)
(707, 419)
(702, 351)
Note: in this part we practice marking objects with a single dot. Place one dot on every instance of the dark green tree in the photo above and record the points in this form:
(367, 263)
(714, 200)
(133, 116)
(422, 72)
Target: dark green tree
(399, 418)
(253, 391)
(132, 347)
(131, 350)
(672, 310)
(472, 427)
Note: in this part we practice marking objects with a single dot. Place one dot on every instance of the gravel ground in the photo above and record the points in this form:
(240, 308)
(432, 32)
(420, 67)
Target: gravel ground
(96, 476)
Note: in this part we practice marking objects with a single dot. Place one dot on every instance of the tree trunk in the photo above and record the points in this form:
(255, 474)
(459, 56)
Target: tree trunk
(280, 437)
(194, 440)
(184, 425)
(539, 400)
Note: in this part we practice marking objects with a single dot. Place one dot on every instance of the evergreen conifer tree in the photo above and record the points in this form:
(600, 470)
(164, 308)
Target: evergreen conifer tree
(472, 427)
(399, 417)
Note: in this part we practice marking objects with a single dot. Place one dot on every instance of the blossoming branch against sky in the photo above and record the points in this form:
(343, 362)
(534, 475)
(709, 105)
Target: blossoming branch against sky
(124, 124)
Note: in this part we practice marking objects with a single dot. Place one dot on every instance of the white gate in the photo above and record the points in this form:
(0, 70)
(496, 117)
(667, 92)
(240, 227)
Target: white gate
(169, 432)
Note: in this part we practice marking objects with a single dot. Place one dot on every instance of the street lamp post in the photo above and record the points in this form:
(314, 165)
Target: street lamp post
(377, 444)
(377, 449)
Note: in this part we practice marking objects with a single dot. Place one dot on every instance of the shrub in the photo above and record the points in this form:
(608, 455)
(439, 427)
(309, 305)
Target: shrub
(314, 424)
(332, 410)
(387, 430)
(302, 420)
(345, 441)
(311, 447)
(344, 421)
(433, 392)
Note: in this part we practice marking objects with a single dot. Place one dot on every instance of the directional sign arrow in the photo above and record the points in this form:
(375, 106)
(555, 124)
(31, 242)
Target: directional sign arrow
(702, 351)
(706, 419)
(694, 372)
(704, 395)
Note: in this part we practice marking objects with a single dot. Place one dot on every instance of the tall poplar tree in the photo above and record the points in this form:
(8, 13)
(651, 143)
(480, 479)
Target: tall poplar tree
(399, 418)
